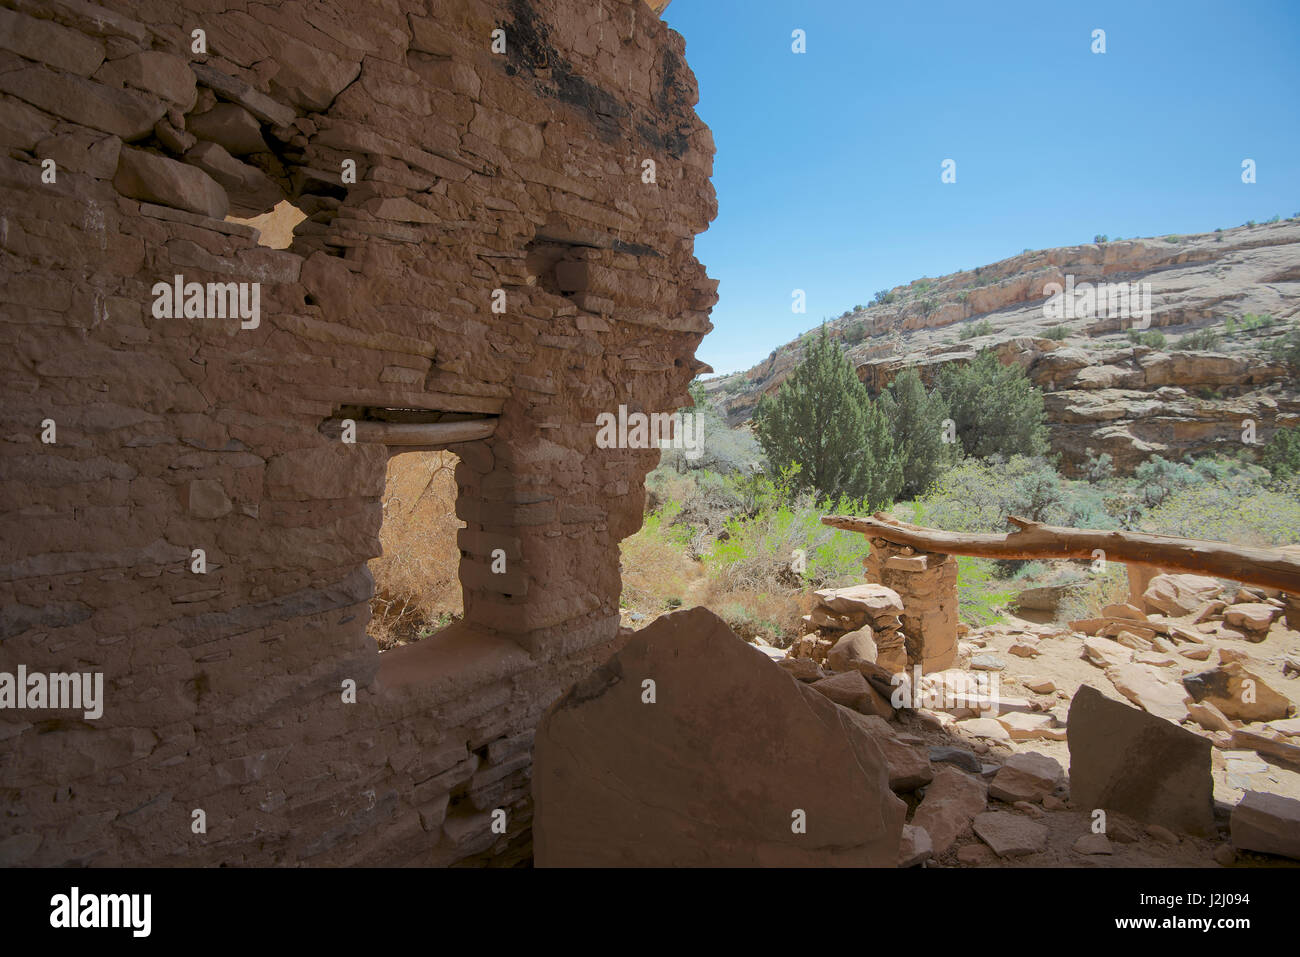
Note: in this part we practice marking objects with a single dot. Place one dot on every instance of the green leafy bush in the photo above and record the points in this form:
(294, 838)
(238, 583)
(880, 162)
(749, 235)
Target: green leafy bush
(996, 409)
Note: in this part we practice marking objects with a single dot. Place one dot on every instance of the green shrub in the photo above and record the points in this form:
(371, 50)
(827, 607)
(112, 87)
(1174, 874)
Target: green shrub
(1202, 340)
(1057, 332)
(1281, 456)
(981, 328)
(1152, 339)
(996, 409)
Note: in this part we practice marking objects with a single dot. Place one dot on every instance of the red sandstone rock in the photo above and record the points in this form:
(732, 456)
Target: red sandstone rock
(715, 771)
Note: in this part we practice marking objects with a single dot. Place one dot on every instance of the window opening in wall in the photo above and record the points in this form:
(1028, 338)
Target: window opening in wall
(417, 579)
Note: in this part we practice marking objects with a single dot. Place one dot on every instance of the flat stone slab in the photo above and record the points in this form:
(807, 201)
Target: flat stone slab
(1126, 760)
(1269, 823)
(1010, 834)
(729, 763)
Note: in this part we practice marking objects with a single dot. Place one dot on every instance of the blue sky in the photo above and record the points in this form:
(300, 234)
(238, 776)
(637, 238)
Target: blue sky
(828, 162)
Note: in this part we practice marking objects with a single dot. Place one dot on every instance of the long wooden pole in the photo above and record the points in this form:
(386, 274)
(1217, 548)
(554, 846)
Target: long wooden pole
(1268, 567)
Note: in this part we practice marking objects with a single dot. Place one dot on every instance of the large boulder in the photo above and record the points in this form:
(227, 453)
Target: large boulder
(1178, 595)
(1126, 760)
(1238, 693)
(689, 748)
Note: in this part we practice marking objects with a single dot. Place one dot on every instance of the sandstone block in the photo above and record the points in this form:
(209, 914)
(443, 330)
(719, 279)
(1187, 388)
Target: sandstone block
(951, 802)
(1126, 760)
(1010, 835)
(711, 773)
(157, 179)
(1238, 693)
(1268, 823)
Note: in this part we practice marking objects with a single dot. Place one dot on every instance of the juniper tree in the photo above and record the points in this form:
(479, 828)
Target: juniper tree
(995, 407)
(823, 419)
(916, 423)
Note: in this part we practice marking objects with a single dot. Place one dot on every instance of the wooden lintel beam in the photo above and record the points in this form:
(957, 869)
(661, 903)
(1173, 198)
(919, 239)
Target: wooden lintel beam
(408, 436)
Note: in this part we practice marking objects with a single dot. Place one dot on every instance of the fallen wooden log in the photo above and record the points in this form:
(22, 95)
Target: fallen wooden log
(1269, 567)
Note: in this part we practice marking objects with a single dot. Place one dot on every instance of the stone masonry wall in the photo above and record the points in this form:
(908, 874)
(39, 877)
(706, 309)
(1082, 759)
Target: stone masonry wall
(476, 170)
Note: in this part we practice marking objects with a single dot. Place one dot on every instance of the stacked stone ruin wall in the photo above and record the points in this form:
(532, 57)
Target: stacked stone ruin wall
(477, 171)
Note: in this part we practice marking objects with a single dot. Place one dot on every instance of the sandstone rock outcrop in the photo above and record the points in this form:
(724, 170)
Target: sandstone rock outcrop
(1105, 394)
(732, 763)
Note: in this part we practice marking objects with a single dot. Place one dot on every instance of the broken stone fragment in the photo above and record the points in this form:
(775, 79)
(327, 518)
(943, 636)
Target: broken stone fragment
(1091, 843)
(719, 770)
(909, 765)
(125, 113)
(157, 179)
(1127, 760)
(1009, 834)
(232, 126)
(153, 71)
(48, 42)
(915, 847)
(854, 651)
(1152, 689)
(951, 802)
(251, 192)
(852, 690)
(1179, 595)
(1238, 693)
(1253, 617)
(1026, 777)
(805, 669)
(1268, 823)
(1105, 653)
(876, 600)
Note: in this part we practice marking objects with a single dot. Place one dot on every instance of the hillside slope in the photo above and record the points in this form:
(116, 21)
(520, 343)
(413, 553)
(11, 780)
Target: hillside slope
(1104, 392)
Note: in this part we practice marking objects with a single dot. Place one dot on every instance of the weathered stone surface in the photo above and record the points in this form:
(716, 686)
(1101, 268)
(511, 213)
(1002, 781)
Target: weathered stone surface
(1126, 760)
(124, 113)
(951, 802)
(1152, 689)
(237, 130)
(915, 847)
(157, 179)
(309, 76)
(250, 191)
(162, 74)
(1091, 843)
(851, 690)
(1028, 776)
(855, 651)
(1238, 693)
(875, 600)
(712, 771)
(1009, 834)
(183, 433)
(1269, 823)
(1177, 595)
(805, 669)
(48, 42)
(908, 765)
(958, 757)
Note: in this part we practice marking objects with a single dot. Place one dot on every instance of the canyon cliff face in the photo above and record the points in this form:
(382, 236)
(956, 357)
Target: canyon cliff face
(1104, 393)
(483, 240)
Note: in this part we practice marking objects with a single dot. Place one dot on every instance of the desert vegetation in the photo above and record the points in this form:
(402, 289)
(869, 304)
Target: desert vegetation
(739, 530)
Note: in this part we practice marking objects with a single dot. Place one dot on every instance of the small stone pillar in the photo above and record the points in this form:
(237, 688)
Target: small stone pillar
(927, 583)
